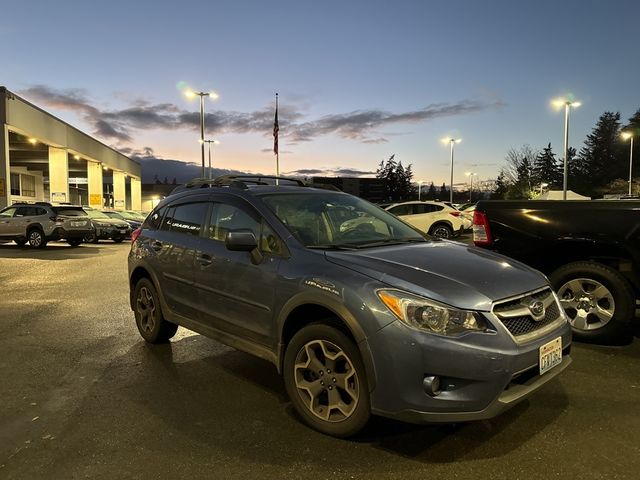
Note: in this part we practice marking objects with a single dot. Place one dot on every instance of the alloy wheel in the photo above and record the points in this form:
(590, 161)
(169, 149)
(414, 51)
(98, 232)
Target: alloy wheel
(589, 305)
(35, 238)
(146, 307)
(326, 381)
(441, 232)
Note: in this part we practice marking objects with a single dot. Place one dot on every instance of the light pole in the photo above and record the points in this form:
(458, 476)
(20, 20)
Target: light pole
(209, 142)
(470, 175)
(212, 95)
(451, 142)
(567, 106)
(419, 188)
(627, 136)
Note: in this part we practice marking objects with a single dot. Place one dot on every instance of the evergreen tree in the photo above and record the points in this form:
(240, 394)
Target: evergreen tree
(431, 193)
(601, 154)
(444, 193)
(502, 187)
(546, 169)
(397, 179)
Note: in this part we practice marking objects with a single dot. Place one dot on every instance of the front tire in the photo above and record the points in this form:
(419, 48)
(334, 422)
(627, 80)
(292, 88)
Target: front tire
(74, 242)
(325, 379)
(597, 299)
(149, 319)
(91, 238)
(118, 240)
(21, 242)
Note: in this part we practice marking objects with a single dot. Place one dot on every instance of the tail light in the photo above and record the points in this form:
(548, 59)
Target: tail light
(135, 234)
(56, 219)
(481, 230)
(455, 213)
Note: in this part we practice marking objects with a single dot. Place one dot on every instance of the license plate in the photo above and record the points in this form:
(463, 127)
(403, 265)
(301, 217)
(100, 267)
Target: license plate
(550, 355)
(78, 224)
(123, 231)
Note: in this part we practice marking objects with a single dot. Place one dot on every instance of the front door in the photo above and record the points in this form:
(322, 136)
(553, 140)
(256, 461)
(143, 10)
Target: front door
(6, 219)
(237, 294)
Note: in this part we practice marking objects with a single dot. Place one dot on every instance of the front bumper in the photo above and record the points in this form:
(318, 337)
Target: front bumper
(481, 374)
(109, 232)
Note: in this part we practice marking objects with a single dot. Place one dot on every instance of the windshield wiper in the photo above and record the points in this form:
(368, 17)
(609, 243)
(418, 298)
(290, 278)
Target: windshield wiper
(391, 241)
(334, 246)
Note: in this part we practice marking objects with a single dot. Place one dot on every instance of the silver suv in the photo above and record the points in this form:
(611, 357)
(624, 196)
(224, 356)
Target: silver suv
(41, 222)
(360, 312)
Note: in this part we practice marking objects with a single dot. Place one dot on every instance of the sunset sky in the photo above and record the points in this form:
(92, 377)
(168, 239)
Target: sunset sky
(358, 80)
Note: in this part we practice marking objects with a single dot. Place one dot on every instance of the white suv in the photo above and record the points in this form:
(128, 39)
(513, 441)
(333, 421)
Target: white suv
(434, 218)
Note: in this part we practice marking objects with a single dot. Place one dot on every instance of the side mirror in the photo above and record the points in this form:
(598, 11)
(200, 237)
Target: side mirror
(241, 240)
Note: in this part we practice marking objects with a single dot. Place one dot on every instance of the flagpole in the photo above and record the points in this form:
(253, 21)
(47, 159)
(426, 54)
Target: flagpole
(278, 148)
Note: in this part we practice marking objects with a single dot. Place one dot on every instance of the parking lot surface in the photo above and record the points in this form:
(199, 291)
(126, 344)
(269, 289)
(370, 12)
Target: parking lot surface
(83, 396)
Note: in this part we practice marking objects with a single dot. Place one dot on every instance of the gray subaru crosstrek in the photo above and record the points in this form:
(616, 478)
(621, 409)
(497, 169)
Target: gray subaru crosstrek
(361, 313)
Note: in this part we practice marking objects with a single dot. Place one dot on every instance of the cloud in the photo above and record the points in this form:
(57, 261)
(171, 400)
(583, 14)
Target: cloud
(359, 125)
(329, 172)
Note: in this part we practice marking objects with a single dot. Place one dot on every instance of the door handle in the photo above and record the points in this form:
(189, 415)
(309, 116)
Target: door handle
(157, 246)
(204, 260)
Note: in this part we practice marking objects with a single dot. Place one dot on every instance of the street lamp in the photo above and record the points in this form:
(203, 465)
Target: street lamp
(470, 175)
(215, 142)
(451, 142)
(419, 188)
(558, 103)
(629, 136)
(212, 95)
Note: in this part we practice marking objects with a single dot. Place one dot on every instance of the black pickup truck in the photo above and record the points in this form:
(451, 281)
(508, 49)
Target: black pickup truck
(590, 250)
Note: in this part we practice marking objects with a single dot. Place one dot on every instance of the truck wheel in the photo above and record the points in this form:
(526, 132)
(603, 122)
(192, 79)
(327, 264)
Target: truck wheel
(325, 380)
(149, 319)
(597, 299)
(441, 231)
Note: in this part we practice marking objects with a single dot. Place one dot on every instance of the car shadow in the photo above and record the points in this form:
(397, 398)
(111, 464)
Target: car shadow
(225, 399)
(53, 251)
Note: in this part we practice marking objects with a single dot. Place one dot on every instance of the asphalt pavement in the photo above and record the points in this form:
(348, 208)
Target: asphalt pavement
(83, 396)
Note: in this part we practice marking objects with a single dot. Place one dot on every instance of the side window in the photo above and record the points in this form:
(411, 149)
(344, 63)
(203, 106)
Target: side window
(438, 208)
(155, 218)
(188, 218)
(40, 211)
(401, 210)
(269, 241)
(226, 217)
(25, 212)
(8, 212)
(421, 208)
(168, 219)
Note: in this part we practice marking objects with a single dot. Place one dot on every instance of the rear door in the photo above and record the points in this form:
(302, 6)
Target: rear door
(172, 249)
(236, 295)
(23, 217)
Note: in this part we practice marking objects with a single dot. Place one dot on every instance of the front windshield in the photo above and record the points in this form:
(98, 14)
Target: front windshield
(335, 220)
(96, 214)
(132, 216)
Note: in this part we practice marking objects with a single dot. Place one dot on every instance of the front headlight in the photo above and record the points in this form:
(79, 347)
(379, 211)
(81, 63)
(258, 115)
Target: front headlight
(430, 316)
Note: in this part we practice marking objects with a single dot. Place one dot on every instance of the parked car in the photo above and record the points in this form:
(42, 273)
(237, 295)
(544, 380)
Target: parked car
(106, 228)
(434, 218)
(41, 222)
(589, 249)
(377, 318)
(133, 221)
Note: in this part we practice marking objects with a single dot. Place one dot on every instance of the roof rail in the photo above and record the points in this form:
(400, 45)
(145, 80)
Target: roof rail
(237, 181)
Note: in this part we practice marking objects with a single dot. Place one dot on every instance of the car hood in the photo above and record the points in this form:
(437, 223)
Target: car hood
(449, 272)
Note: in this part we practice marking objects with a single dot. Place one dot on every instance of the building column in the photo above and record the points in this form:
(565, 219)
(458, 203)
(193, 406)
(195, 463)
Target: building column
(94, 184)
(58, 175)
(119, 191)
(5, 176)
(136, 194)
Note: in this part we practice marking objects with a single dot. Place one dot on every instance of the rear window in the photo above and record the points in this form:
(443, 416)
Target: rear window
(69, 211)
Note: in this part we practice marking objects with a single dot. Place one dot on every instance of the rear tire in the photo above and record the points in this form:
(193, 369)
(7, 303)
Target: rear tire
(325, 379)
(148, 312)
(74, 242)
(597, 299)
(36, 239)
(91, 238)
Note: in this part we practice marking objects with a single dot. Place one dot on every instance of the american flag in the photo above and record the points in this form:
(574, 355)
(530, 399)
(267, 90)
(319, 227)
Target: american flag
(276, 129)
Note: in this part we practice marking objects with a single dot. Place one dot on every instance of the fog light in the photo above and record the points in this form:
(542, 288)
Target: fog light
(431, 385)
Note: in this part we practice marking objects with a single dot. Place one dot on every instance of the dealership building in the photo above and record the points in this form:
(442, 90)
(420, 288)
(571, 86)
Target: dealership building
(43, 158)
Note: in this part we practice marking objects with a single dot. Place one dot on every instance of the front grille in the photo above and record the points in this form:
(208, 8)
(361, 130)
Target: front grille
(516, 316)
